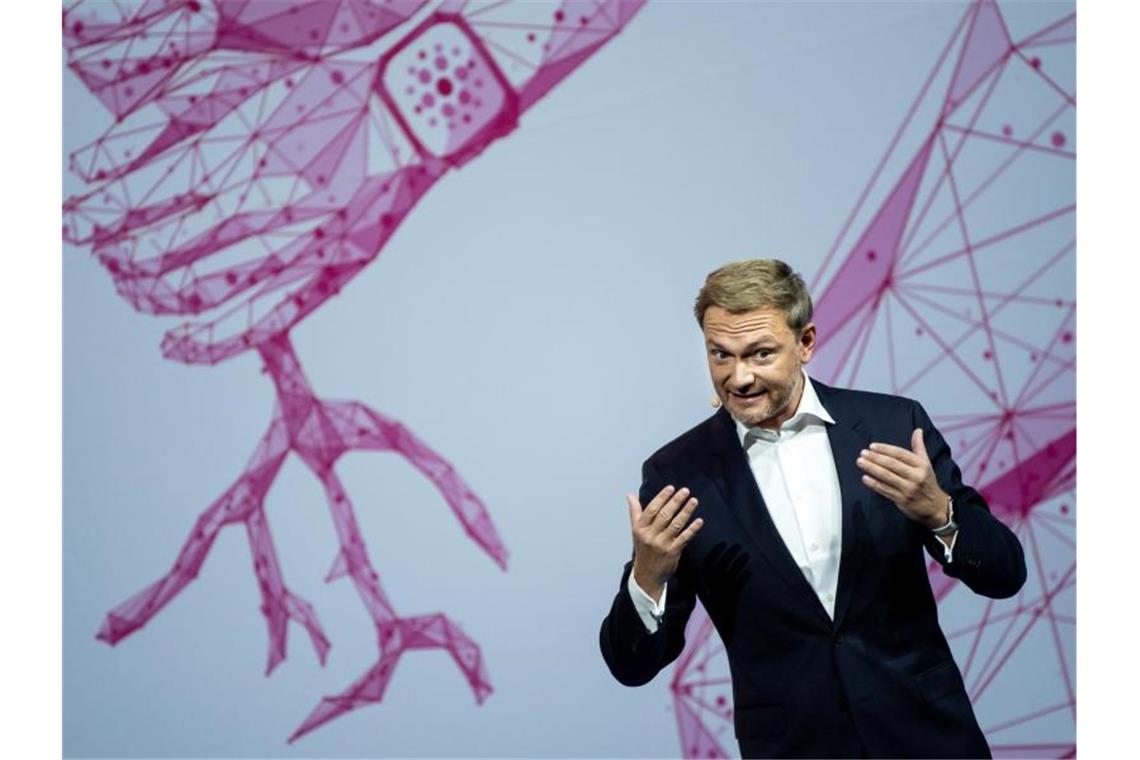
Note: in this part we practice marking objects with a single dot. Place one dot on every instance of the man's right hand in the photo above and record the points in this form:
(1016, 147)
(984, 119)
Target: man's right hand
(659, 535)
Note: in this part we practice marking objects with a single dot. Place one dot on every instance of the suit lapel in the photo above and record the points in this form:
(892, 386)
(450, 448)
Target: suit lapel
(847, 439)
(738, 486)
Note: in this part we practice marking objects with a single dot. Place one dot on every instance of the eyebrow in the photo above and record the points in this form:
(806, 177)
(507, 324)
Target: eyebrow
(750, 348)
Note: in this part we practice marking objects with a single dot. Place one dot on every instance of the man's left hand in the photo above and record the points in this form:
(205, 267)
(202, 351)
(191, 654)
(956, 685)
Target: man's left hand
(907, 479)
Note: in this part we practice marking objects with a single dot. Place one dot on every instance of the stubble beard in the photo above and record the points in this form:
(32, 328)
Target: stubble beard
(776, 405)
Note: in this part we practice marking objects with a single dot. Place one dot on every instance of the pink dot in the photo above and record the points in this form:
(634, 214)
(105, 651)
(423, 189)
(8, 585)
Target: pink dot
(441, 63)
(422, 54)
(530, 37)
(444, 86)
(1035, 62)
(987, 354)
(871, 255)
(1067, 338)
(1057, 139)
(464, 97)
(558, 16)
(466, 118)
(478, 82)
(448, 110)
(409, 89)
(425, 76)
(428, 100)
(918, 331)
(432, 122)
(1007, 130)
(1064, 509)
(337, 77)
(461, 73)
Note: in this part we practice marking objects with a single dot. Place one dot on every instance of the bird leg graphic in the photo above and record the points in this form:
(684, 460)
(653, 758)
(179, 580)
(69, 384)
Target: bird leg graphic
(320, 432)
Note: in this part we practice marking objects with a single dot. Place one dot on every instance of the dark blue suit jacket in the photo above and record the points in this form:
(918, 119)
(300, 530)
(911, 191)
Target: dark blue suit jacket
(879, 678)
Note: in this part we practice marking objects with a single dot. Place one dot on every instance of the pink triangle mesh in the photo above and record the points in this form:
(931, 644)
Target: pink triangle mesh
(258, 155)
(952, 281)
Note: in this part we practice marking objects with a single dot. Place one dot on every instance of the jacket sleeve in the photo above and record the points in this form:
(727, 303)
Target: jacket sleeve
(987, 555)
(633, 655)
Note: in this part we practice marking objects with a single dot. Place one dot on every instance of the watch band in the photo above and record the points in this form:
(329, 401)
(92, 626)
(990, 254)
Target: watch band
(951, 524)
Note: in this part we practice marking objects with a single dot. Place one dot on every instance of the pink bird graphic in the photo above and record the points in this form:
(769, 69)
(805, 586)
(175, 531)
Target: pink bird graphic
(259, 155)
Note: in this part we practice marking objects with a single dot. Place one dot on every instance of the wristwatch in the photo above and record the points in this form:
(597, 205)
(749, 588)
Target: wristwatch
(951, 525)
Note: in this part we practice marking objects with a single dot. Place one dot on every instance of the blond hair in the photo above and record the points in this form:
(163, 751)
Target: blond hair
(756, 284)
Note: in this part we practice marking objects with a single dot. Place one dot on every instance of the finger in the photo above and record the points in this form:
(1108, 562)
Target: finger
(895, 465)
(687, 535)
(882, 474)
(880, 487)
(898, 452)
(918, 444)
(634, 509)
(661, 520)
(655, 504)
(677, 524)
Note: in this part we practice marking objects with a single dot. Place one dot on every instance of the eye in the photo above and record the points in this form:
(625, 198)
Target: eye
(764, 353)
(719, 355)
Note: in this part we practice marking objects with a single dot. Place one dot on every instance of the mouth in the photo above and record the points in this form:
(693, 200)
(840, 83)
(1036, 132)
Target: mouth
(746, 398)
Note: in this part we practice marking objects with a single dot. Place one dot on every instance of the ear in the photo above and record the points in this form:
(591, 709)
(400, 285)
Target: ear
(806, 343)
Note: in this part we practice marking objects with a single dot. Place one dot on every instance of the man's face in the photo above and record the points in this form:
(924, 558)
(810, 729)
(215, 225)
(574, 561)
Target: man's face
(755, 363)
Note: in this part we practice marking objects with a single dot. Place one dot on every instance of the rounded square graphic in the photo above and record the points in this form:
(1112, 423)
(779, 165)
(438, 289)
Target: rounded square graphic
(446, 91)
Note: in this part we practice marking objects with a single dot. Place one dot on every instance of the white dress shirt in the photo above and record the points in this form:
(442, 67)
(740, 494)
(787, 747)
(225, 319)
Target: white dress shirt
(795, 471)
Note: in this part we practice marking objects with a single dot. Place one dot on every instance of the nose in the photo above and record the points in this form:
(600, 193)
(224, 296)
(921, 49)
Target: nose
(742, 376)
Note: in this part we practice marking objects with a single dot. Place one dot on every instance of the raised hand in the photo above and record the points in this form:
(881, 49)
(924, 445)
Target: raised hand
(659, 535)
(907, 479)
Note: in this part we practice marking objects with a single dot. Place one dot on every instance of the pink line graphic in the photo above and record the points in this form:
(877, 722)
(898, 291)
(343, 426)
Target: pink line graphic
(259, 155)
(957, 287)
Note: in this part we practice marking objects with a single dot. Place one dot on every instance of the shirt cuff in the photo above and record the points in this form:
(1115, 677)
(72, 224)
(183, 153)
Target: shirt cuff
(648, 610)
(947, 549)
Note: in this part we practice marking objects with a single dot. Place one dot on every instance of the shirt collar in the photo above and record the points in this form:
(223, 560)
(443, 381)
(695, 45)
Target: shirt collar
(808, 412)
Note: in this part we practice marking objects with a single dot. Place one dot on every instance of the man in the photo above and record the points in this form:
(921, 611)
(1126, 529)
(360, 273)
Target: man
(798, 514)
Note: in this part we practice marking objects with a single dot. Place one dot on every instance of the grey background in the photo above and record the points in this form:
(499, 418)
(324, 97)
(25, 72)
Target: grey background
(531, 321)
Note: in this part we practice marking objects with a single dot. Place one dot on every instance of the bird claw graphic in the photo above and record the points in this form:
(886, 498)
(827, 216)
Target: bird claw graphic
(435, 631)
(320, 432)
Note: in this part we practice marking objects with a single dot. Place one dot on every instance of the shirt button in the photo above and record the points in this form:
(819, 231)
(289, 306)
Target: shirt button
(828, 597)
(815, 547)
